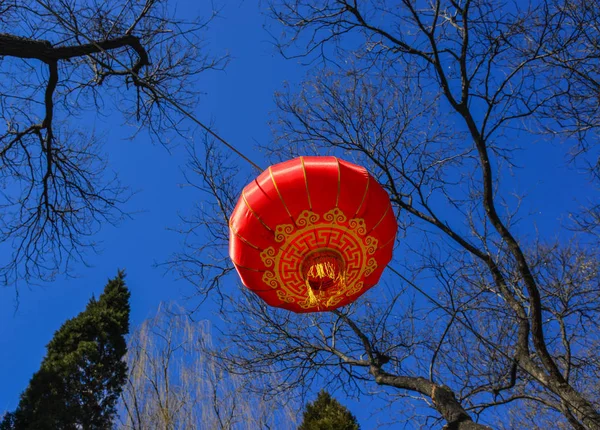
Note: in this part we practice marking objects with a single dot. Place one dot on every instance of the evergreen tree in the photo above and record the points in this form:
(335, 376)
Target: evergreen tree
(8, 421)
(81, 377)
(326, 413)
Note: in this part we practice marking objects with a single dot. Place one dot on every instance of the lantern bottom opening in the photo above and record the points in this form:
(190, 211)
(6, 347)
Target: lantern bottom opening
(322, 270)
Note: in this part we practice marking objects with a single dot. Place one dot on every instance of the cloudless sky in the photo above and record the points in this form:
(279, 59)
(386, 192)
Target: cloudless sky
(238, 101)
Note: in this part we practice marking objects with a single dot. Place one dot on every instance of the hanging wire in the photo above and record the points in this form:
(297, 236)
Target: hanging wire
(163, 95)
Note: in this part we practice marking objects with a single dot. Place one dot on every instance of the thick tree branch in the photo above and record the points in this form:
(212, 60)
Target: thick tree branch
(21, 47)
(443, 398)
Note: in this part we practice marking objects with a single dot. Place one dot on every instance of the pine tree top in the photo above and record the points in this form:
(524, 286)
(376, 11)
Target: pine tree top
(81, 376)
(326, 413)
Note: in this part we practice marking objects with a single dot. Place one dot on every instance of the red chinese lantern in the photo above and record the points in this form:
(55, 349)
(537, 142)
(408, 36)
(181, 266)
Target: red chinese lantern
(312, 234)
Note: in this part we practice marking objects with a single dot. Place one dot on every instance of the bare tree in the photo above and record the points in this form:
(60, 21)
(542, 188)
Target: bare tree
(479, 321)
(174, 384)
(59, 59)
(203, 259)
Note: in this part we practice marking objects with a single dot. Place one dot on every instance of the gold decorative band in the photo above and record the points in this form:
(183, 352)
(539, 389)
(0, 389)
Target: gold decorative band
(330, 233)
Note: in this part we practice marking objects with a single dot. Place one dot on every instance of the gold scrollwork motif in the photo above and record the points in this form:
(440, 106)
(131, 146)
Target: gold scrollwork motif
(335, 216)
(307, 218)
(334, 300)
(357, 287)
(371, 244)
(358, 225)
(306, 303)
(270, 279)
(282, 231)
(284, 296)
(268, 256)
(371, 266)
(312, 233)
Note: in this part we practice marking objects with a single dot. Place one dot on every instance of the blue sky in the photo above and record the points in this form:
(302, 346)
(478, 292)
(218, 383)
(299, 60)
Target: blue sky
(238, 101)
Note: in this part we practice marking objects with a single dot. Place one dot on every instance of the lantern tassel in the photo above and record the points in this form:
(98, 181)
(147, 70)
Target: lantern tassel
(312, 298)
(328, 274)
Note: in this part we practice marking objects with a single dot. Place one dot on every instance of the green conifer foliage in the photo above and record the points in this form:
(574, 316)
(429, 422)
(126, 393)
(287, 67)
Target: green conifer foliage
(326, 413)
(82, 374)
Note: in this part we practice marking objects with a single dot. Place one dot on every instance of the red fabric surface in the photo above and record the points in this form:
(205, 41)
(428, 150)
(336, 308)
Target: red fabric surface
(308, 205)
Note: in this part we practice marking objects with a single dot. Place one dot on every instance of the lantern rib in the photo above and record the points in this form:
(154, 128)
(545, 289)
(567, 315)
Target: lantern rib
(382, 218)
(242, 238)
(339, 183)
(387, 243)
(364, 196)
(280, 196)
(306, 183)
(254, 213)
(247, 268)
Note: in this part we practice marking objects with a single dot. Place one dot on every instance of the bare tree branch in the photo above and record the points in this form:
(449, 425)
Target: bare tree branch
(60, 59)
